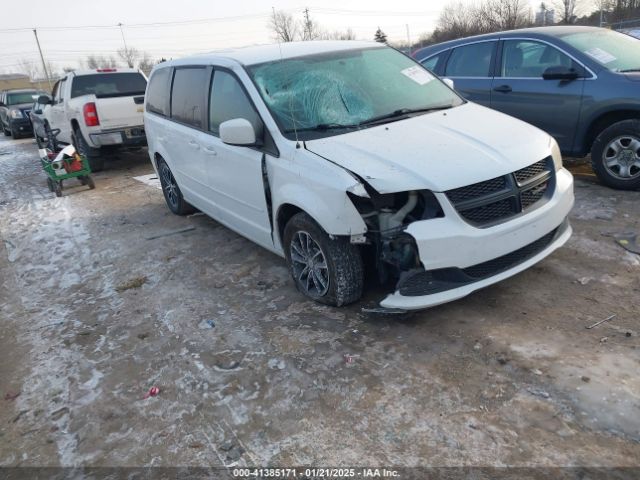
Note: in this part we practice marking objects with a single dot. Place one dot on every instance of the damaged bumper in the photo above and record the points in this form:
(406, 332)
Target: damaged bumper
(459, 259)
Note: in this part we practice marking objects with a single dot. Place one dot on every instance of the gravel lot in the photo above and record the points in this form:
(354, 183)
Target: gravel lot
(94, 313)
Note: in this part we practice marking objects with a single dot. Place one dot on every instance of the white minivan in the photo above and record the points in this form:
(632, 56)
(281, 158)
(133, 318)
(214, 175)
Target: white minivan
(349, 158)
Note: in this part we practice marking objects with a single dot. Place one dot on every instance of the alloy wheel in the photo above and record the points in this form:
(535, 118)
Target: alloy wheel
(622, 157)
(169, 185)
(309, 264)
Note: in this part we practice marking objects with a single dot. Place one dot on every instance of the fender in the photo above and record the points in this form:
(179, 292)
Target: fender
(337, 217)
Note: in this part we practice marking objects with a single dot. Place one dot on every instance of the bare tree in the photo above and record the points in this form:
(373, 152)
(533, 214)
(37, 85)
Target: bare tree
(457, 20)
(568, 10)
(129, 55)
(99, 61)
(29, 67)
(146, 63)
(496, 15)
(339, 35)
(310, 29)
(283, 26)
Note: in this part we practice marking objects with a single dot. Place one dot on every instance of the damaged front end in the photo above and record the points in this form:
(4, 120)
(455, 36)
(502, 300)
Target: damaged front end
(388, 249)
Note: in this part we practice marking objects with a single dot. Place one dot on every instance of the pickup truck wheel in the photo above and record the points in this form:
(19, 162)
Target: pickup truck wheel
(615, 155)
(172, 194)
(96, 162)
(327, 270)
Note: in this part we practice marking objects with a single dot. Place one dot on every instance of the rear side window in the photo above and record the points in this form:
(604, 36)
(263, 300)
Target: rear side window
(158, 92)
(471, 60)
(187, 94)
(228, 101)
(431, 63)
(104, 85)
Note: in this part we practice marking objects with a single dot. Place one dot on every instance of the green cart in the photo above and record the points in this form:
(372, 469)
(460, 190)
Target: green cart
(64, 165)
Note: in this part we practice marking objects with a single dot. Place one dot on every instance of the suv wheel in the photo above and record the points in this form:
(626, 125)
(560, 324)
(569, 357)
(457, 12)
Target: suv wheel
(615, 155)
(6, 131)
(96, 162)
(327, 270)
(172, 194)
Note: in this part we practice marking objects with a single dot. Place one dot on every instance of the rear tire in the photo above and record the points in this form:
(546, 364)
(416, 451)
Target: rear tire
(50, 185)
(327, 270)
(171, 190)
(615, 155)
(96, 162)
(58, 188)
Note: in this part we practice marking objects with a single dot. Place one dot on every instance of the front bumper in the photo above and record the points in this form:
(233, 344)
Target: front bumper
(21, 125)
(450, 244)
(128, 137)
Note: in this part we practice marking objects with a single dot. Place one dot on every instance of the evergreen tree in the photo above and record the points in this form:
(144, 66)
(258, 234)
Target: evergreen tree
(380, 36)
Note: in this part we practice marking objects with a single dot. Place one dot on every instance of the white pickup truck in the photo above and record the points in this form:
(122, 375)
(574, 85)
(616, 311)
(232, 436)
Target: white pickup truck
(97, 110)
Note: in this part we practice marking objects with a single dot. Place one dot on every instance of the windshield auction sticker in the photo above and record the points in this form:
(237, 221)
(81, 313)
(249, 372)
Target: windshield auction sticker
(600, 55)
(417, 74)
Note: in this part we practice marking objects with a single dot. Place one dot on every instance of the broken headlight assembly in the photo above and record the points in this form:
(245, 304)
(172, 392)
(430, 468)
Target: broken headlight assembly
(390, 249)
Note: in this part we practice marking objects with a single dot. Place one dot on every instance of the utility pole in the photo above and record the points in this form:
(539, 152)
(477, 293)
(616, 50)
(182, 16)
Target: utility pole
(601, 15)
(307, 25)
(44, 65)
(126, 50)
(408, 37)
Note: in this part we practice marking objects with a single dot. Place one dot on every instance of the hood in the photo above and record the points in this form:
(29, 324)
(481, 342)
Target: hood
(20, 106)
(437, 151)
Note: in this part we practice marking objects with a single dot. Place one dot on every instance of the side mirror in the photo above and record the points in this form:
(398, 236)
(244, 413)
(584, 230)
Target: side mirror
(238, 131)
(449, 83)
(44, 100)
(560, 73)
(38, 112)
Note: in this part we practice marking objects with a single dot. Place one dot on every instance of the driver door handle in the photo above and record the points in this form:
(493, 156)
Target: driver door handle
(503, 89)
(193, 144)
(210, 151)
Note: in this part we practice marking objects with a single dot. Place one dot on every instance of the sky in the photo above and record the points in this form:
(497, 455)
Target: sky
(70, 30)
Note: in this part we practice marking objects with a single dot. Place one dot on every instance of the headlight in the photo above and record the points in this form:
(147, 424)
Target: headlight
(16, 114)
(555, 153)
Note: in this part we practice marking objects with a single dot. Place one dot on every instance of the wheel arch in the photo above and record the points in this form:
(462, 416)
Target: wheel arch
(604, 121)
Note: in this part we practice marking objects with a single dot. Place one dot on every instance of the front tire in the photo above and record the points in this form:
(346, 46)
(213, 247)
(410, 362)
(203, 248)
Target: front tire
(96, 161)
(171, 190)
(327, 270)
(615, 155)
(6, 131)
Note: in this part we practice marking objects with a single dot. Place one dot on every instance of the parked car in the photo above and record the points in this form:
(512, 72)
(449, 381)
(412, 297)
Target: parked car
(37, 117)
(342, 156)
(15, 106)
(98, 109)
(580, 84)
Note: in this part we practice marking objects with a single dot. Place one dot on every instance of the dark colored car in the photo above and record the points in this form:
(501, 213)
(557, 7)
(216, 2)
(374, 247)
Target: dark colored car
(15, 106)
(580, 84)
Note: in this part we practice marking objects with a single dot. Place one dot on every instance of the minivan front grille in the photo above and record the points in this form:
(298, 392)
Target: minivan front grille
(493, 201)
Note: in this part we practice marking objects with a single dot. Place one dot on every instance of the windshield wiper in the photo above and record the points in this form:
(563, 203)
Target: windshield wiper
(630, 70)
(321, 127)
(403, 112)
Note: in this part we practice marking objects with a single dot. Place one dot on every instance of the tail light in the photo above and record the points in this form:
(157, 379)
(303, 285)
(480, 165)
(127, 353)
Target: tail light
(90, 115)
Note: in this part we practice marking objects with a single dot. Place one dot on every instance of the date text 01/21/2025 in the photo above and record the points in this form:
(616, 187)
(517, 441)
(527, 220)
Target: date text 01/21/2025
(313, 473)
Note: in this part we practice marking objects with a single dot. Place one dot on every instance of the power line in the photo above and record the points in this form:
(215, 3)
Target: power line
(142, 25)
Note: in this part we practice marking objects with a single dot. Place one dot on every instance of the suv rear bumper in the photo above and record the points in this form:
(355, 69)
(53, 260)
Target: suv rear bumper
(127, 137)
